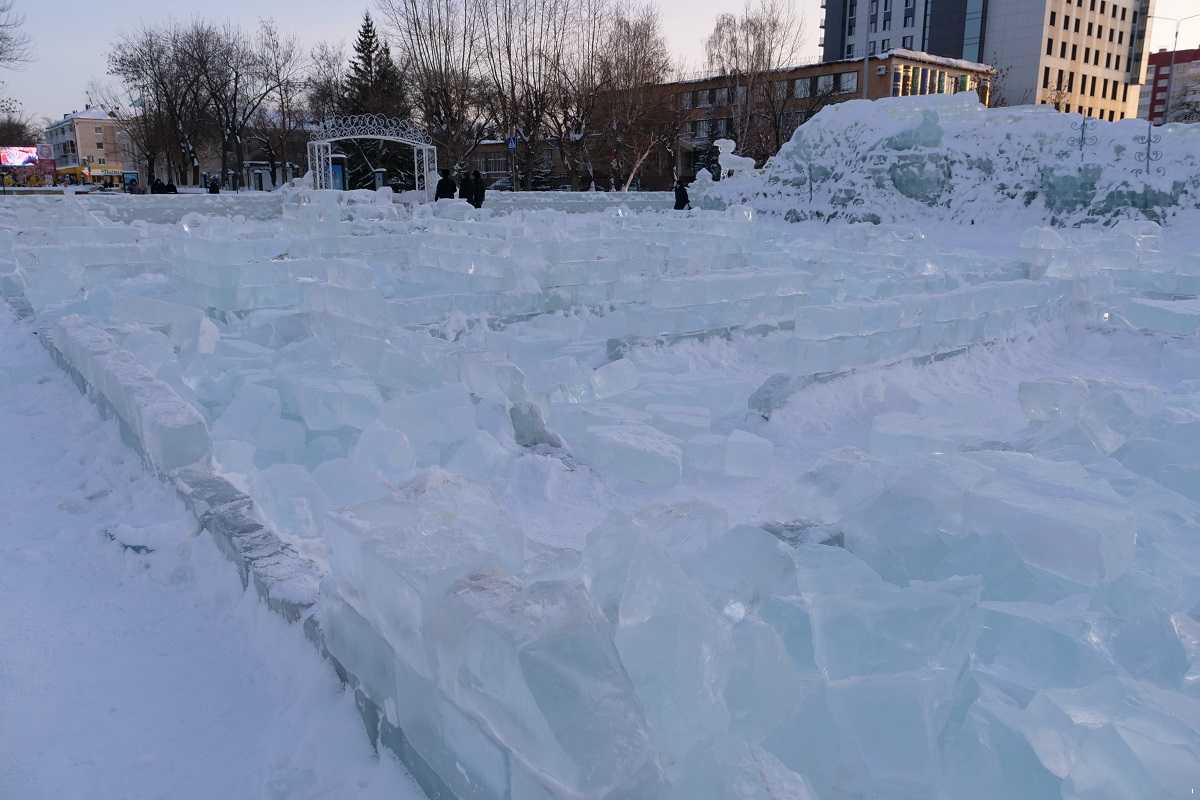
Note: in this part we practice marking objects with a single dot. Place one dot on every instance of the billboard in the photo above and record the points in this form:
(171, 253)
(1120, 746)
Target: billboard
(18, 156)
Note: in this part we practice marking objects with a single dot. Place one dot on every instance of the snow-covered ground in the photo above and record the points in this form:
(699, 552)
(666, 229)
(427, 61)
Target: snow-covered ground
(722, 504)
(129, 673)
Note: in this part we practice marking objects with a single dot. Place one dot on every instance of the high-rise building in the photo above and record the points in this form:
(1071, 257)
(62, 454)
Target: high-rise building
(1085, 56)
(1174, 75)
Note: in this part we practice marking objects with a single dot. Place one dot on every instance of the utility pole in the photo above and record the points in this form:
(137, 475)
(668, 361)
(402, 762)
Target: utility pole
(1171, 68)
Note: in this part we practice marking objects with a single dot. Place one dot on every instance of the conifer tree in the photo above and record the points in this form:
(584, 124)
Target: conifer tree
(362, 78)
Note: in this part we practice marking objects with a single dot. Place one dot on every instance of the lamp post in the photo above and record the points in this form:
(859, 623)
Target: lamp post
(1174, 48)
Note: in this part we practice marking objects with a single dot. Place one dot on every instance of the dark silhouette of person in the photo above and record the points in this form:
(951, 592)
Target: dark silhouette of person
(480, 189)
(466, 189)
(681, 195)
(446, 187)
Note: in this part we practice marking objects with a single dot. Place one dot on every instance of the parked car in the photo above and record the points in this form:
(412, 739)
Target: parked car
(501, 185)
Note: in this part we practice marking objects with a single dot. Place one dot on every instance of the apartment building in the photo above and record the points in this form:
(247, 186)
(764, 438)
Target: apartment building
(1084, 56)
(86, 147)
(1172, 89)
(713, 105)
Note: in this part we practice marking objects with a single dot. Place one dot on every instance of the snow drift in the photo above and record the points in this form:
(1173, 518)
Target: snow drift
(946, 157)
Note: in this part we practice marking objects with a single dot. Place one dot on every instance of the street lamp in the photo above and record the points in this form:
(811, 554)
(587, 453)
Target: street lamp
(1174, 48)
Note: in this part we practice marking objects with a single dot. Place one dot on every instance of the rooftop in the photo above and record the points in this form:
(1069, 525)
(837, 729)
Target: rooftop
(908, 55)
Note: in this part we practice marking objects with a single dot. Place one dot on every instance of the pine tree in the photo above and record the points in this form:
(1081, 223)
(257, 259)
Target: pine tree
(389, 95)
(362, 79)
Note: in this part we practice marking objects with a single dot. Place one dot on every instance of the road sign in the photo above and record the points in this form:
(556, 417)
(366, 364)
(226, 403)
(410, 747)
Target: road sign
(512, 144)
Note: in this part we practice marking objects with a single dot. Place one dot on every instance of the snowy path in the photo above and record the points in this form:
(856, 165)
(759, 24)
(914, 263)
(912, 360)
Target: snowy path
(143, 675)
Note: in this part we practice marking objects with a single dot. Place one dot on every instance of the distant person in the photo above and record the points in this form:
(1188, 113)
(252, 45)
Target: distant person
(446, 187)
(157, 186)
(480, 189)
(171, 189)
(214, 186)
(466, 189)
(682, 203)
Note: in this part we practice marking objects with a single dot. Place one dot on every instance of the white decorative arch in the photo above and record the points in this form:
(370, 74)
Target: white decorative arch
(370, 126)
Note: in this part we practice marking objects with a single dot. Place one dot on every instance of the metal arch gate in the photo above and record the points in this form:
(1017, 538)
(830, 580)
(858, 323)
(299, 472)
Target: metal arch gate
(371, 126)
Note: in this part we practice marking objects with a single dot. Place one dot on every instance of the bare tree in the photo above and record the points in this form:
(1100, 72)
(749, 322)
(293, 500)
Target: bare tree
(441, 43)
(638, 114)
(753, 49)
(278, 122)
(14, 42)
(523, 50)
(236, 80)
(326, 76)
(165, 108)
(581, 72)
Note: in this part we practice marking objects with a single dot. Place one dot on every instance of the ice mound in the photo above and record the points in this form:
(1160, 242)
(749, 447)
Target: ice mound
(905, 159)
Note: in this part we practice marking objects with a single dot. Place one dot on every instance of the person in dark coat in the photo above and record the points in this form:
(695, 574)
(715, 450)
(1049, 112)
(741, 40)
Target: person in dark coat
(171, 189)
(214, 186)
(466, 189)
(157, 186)
(681, 196)
(446, 187)
(480, 189)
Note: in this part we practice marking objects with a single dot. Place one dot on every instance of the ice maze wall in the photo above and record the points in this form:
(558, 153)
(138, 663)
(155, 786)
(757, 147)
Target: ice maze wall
(493, 467)
(948, 158)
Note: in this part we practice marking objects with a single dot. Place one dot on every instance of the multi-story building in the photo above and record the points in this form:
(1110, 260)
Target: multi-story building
(854, 28)
(713, 105)
(86, 147)
(1085, 56)
(1172, 89)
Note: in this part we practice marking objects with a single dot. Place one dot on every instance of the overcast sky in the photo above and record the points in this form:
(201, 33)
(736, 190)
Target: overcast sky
(71, 37)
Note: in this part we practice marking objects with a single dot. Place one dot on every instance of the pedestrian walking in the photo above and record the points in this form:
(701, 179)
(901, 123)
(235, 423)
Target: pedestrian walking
(480, 189)
(681, 196)
(446, 187)
(466, 189)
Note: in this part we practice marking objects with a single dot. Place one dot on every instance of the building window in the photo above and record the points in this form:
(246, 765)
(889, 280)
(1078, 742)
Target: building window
(1104, 91)
(886, 45)
(1093, 6)
(1090, 28)
(1087, 55)
(1122, 15)
(941, 81)
(848, 82)
(871, 48)
(1110, 116)
(1074, 52)
(909, 19)
(874, 25)
(99, 130)
(1112, 35)
(906, 42)
(1125, 93)
(1092, 93)
(1077, 24)
(887, 21)
(1118, 62)
(712, 97)
(685, 100)
(1062, 50)
(1103, 6)
(1053, 18)
(824, 84)
(1049, 47)
(850, 50)
(1120, 36)
(1066, 23)
(850, 28)
(1096, 57)
(1058, 86)
(1045, 77)
(924, 81)
(895, 83)
(1091, 112)
(803, 87)
(1070, 82)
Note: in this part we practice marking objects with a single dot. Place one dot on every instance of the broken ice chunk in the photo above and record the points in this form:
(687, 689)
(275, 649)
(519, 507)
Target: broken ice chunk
(614, 378)
(386, 450)
(636, 453)
(747, 455)
(731, 768)
(536, 663)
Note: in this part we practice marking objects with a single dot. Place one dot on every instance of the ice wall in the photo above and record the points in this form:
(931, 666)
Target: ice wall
(700, 505)
(945, 157)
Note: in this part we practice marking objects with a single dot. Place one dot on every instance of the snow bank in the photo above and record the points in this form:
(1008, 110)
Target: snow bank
(948, 158)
